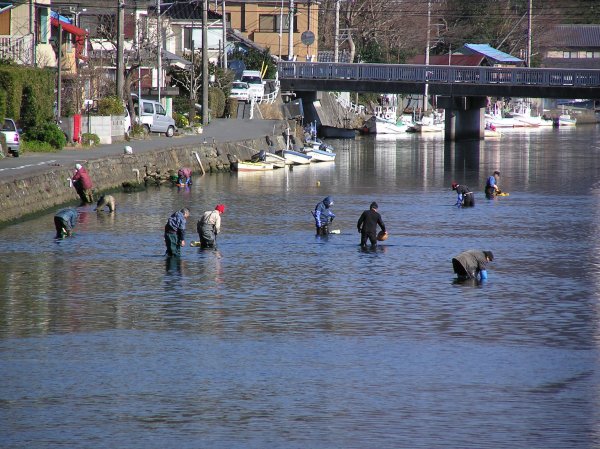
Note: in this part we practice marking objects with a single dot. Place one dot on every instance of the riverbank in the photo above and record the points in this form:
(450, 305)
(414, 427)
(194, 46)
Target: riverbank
(36, 182)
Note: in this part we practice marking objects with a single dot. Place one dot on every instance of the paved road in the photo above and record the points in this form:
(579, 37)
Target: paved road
(219, 130)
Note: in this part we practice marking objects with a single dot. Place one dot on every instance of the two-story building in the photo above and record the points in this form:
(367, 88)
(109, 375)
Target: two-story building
(267, 23)
(25, 33)
(572, 46)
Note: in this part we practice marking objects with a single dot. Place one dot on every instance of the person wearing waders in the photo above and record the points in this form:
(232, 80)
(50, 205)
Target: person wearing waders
(465, 198)
(323, 216)
(175, 232)
(367, 226)
(491, 185)
(472, 264)
(209, 226)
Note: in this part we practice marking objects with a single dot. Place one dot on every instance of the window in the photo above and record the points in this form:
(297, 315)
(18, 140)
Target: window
(160, 110)
(266, 24)
(271, 23)
(569, 54)
(148, 109)
(592, 54)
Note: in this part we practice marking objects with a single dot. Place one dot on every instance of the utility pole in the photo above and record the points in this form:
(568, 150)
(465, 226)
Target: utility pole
(32, 33)
(159, 46)
(120, 38)
(205, 111)
(336, 44)
(59, 80)
(280, 28)
(529, 34)
(291, 33)
(192, 113)
(224, 35)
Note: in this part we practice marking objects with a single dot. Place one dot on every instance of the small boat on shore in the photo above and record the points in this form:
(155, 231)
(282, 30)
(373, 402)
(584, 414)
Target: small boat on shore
(295, 157)
(319, 155)
(269, 158)
(245, 166)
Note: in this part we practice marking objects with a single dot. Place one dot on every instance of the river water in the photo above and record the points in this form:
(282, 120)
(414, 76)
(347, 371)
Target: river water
(281, 339)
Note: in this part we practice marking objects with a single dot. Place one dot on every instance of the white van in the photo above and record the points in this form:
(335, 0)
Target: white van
(255, 81)
(154, 118)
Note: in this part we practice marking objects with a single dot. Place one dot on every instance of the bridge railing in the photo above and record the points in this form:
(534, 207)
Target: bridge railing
(440, 74)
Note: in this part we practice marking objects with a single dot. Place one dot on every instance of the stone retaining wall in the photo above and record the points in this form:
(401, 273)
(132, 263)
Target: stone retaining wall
(38, 193)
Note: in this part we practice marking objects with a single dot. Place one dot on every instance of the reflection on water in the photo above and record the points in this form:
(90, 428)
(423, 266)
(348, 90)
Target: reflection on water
(282, 338)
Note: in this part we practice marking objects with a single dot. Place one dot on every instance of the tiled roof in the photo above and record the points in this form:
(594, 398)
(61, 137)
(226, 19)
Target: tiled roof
(327, 56)
(571, 36)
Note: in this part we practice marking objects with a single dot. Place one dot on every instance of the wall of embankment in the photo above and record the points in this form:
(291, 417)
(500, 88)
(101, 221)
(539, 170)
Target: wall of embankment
(37, 193)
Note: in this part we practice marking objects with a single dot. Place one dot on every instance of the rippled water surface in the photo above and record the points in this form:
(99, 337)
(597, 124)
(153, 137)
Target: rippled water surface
(280, 339)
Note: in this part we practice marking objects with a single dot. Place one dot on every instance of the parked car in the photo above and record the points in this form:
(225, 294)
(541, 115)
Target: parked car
(255, 81)
(11, 132)
(153, 117)
(240, 91)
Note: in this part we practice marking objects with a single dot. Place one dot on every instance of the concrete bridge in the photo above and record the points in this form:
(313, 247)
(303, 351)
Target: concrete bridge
(461, 91)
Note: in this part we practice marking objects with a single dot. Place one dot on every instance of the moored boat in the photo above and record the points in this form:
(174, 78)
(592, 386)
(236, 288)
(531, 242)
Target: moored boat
(245, 166)
(319, 155)
(382, 125)
(566, 120)
(295, 157)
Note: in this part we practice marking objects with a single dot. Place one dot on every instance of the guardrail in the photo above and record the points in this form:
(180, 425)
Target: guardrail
(517, 76)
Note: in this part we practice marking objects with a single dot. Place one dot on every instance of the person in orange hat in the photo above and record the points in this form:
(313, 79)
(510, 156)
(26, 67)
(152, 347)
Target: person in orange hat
(209, 226)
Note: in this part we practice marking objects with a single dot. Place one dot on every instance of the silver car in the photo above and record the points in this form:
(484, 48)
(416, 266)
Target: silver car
(10, 131)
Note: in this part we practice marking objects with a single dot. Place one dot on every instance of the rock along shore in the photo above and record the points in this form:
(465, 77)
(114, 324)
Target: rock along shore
(36, 182)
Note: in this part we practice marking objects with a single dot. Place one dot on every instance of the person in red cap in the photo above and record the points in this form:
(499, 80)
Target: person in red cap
(83, 184)
(209, 226)
(465, 197)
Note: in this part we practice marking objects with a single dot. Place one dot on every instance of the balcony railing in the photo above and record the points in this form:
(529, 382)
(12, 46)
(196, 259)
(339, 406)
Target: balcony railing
(17, 49)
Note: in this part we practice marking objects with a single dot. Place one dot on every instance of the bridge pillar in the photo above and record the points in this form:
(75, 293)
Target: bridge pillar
(464, 117)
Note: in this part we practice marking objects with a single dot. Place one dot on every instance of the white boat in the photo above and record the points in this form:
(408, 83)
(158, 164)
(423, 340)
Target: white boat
(428, 124)
(319, 155)
(518, 117)
(382, 125)
(243, 166)
(270, 158)
(566, 120)
(277, 161)
(295, 157)
(385, 117)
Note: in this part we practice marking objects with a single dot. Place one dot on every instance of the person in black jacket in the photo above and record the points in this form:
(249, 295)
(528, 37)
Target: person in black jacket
(367, 225)
(465, 197)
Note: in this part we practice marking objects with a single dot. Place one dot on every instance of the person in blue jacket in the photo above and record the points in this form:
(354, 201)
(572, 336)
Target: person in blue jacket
(491, 185)
(323, 216)
(175, 232)
(465, 198)
(472, 264)
(64, 222)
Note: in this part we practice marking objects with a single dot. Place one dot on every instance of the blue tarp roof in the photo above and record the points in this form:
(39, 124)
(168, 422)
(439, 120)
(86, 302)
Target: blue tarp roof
(492, 53)
(57, 16)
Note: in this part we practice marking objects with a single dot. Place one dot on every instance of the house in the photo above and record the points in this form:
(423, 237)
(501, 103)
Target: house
(25, 36)
(266, 22)
(476, 55)
(185, 30)
(572, 46)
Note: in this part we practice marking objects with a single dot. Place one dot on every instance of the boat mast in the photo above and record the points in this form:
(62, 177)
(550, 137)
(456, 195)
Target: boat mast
(427, 55)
